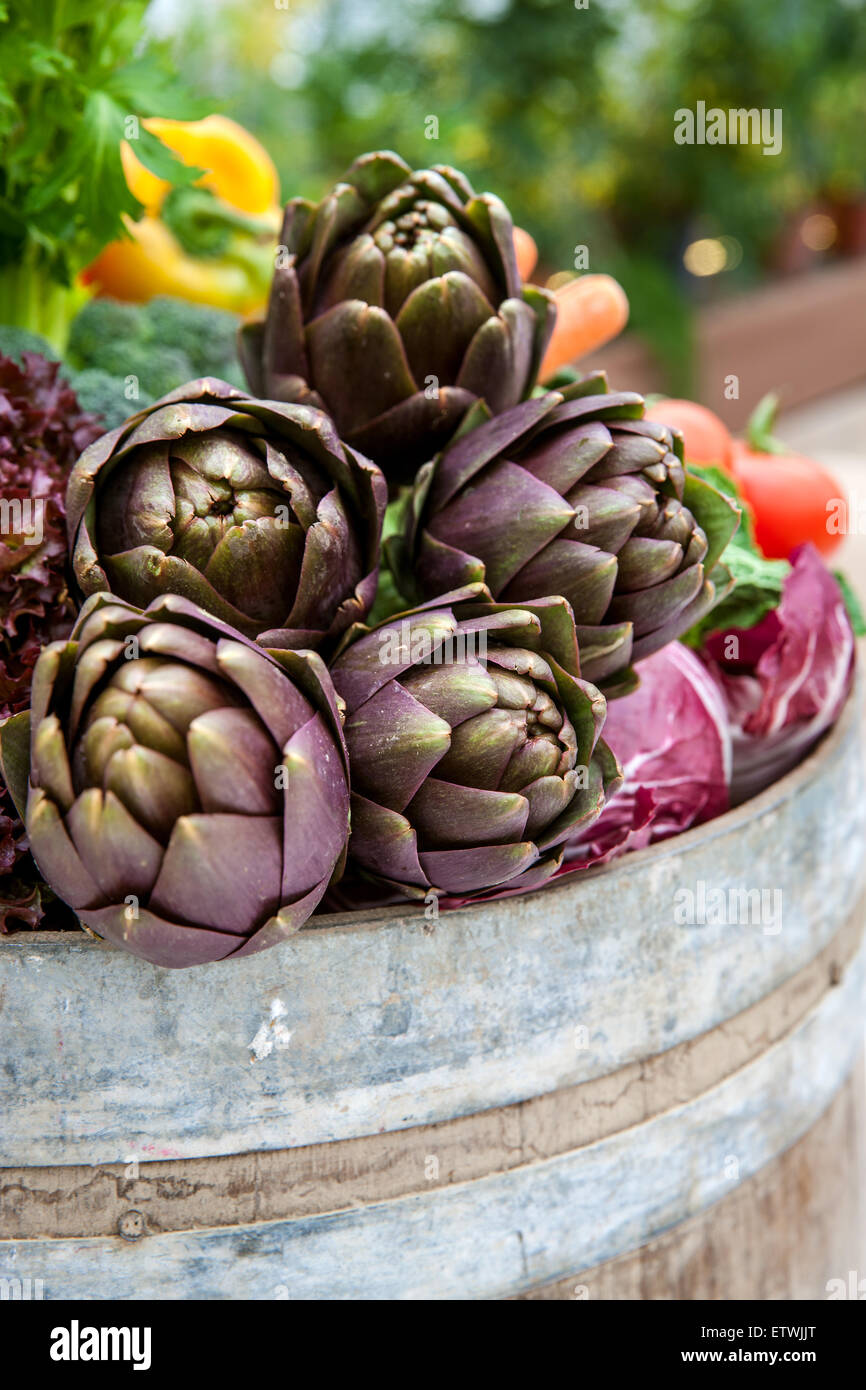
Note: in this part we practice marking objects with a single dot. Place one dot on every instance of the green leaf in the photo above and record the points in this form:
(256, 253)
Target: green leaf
(758, 582)
(759, 431)
(724, 483)
(162, 161)
(145, 88)
(93, 165)
(716, 512)
(852, 603)
(757, 591)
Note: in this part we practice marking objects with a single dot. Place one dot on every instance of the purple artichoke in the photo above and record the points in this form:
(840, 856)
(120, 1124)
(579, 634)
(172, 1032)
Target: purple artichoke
(188, 791)
(398, 305)
(574, 493)
(254, 510)
(474, 745)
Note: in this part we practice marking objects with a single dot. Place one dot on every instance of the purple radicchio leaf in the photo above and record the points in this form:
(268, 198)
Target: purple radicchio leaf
(672, 738)
(785, 680)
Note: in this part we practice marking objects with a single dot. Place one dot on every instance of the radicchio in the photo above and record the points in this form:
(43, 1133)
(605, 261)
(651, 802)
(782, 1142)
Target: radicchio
(672, 738)
(784, 681)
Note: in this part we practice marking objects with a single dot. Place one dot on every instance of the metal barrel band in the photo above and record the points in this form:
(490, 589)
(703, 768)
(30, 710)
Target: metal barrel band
(506, 1232)
(319, 1179)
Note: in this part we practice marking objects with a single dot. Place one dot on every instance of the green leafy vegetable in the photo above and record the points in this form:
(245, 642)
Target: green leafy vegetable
(70, 93)
(758, 581)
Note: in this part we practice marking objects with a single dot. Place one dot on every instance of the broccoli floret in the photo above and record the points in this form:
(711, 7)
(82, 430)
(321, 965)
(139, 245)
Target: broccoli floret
(14, 341)
(104, 394)
(103, 331)
(162, 344)
(159, 369)
(208, 336)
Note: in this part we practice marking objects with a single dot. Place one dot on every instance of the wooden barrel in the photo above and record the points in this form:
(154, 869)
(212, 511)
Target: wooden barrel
(638, 1083)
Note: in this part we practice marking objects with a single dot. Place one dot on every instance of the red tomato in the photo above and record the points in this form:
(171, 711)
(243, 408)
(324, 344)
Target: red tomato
(788, 494)
(706, 439)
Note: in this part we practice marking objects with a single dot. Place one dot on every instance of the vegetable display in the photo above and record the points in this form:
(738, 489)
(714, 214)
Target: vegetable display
(399, 304)
(71, 77)
(793, 498)
(237, 687)
(757, 581)
(575, 493)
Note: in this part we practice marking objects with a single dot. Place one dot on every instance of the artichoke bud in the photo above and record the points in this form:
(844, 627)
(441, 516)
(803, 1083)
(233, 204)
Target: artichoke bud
(574, 493)
(399, 308)
(188, 792)
(473, 764)
(254, 510)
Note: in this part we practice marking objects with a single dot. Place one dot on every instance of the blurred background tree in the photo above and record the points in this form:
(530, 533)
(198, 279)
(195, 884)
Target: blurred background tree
(568, 114)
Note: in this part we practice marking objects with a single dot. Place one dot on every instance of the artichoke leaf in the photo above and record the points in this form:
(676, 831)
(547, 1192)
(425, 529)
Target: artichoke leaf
(15, 757)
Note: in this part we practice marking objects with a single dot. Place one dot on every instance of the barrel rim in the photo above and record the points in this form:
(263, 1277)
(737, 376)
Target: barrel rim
(782, 790)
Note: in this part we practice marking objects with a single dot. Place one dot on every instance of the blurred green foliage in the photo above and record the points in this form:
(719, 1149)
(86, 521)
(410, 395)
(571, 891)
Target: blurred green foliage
(566, 112)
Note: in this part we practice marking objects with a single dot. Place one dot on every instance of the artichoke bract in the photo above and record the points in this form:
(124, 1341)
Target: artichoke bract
(254, 510)
(188, 791)
(474, 745)
(573, 493)
(398, 304)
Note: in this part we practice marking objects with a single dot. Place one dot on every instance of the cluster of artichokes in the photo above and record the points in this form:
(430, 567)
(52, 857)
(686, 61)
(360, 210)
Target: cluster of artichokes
(228, 726)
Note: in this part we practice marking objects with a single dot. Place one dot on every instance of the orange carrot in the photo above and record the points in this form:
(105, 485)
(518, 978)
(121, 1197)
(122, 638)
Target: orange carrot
(589, 312)
(526, 251)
